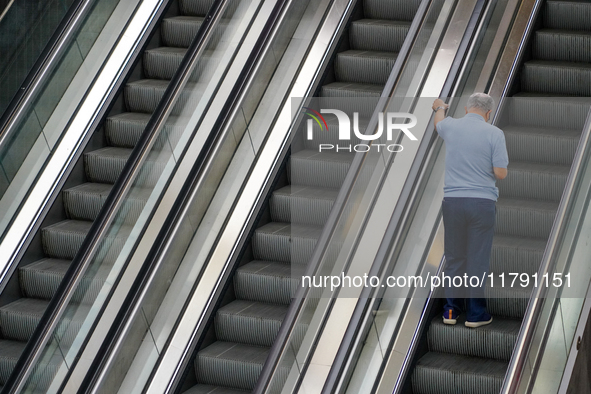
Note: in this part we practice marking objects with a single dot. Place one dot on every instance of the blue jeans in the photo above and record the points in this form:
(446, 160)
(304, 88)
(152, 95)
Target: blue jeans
(469, 228)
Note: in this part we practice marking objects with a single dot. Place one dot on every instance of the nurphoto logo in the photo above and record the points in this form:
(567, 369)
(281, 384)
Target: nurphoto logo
(392, 120)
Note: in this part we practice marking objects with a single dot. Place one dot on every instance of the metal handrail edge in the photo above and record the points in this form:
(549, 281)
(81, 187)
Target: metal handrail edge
(98, 230)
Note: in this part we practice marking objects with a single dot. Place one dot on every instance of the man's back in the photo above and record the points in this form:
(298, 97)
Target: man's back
(473, 148)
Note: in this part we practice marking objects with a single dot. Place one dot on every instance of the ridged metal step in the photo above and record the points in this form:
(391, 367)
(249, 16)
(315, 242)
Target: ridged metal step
(145, 94)
(231, 365)
(302, 204)
(42, 278)
(362, 66)
(440, 373)
(508, 301)
(319, 169)
(541, 145)
(548, 111)
(556, 77)
(562, 45)
(378, 35)
(384, 9)
(83, 202)
(179, 31)
(106, 164)
(494, 341)
(516, 254)
(534, 181)
(284, 242)
(207, 389)
(265, 281)
(568, 15)
(525, 218)
(249, 322)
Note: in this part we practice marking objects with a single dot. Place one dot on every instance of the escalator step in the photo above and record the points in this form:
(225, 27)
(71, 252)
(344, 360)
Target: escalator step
(378, 35)
(494, 341)
(508, 301)
(83, 202)
(351, 90)
(568, 15)
(145, 94)
(516, 254)
(525, 218)
(386, 9)
(124, 130)
(249, 322)
(286, 243)
(302, 204)
(549, 111)
(63, 239)
(42, 278)
(19, 319)
(195, 7)
(207, 389)
(553, 77)
(534, 181)
(44, 373)
(230, 365)
(162, 63)
(439, 373)
(329, 134)
(106, 164)
(362, 66)
(561, 45)
(179, 31)
(320, 169)
(541, 145)
(265, 281)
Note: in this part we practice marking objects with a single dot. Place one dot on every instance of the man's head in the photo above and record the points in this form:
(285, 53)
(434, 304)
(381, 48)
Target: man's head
(481, 104)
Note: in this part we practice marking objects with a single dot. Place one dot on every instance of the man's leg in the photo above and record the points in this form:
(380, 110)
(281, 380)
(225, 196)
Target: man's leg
(454, 222)
(480, 238)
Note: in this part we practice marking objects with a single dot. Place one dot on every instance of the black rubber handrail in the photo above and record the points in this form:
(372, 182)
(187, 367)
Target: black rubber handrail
(48, 59)
(380, 264)
(175, 216)
(100, 226)
(297, 303)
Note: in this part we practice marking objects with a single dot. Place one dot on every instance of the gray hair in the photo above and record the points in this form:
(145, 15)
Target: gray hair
(481, 101)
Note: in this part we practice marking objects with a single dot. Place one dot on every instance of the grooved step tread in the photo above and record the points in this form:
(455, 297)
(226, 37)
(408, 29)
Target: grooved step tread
(378, 34)
(352, 90)
(495, 341)
(231, 365)
(42, 278)
(19, 319)
(249, 322)
(363, 66)
(438, 373)
(534, 181)
(516, 254)
(207, 389)
(302, 204)
(285, 242)
(266, 281)
(179, 31)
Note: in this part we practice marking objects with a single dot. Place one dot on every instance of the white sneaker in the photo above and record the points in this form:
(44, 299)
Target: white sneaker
(476, 324)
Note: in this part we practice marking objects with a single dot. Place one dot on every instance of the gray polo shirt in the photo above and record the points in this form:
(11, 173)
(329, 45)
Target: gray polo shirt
(473, 148)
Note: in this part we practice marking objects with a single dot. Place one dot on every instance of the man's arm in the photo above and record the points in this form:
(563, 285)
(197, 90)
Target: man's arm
(500, 173)
(439, 114)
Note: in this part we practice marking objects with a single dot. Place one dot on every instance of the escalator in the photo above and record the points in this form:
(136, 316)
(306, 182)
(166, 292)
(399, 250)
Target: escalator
(246, 325)
(64, 229)
(542, 123)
